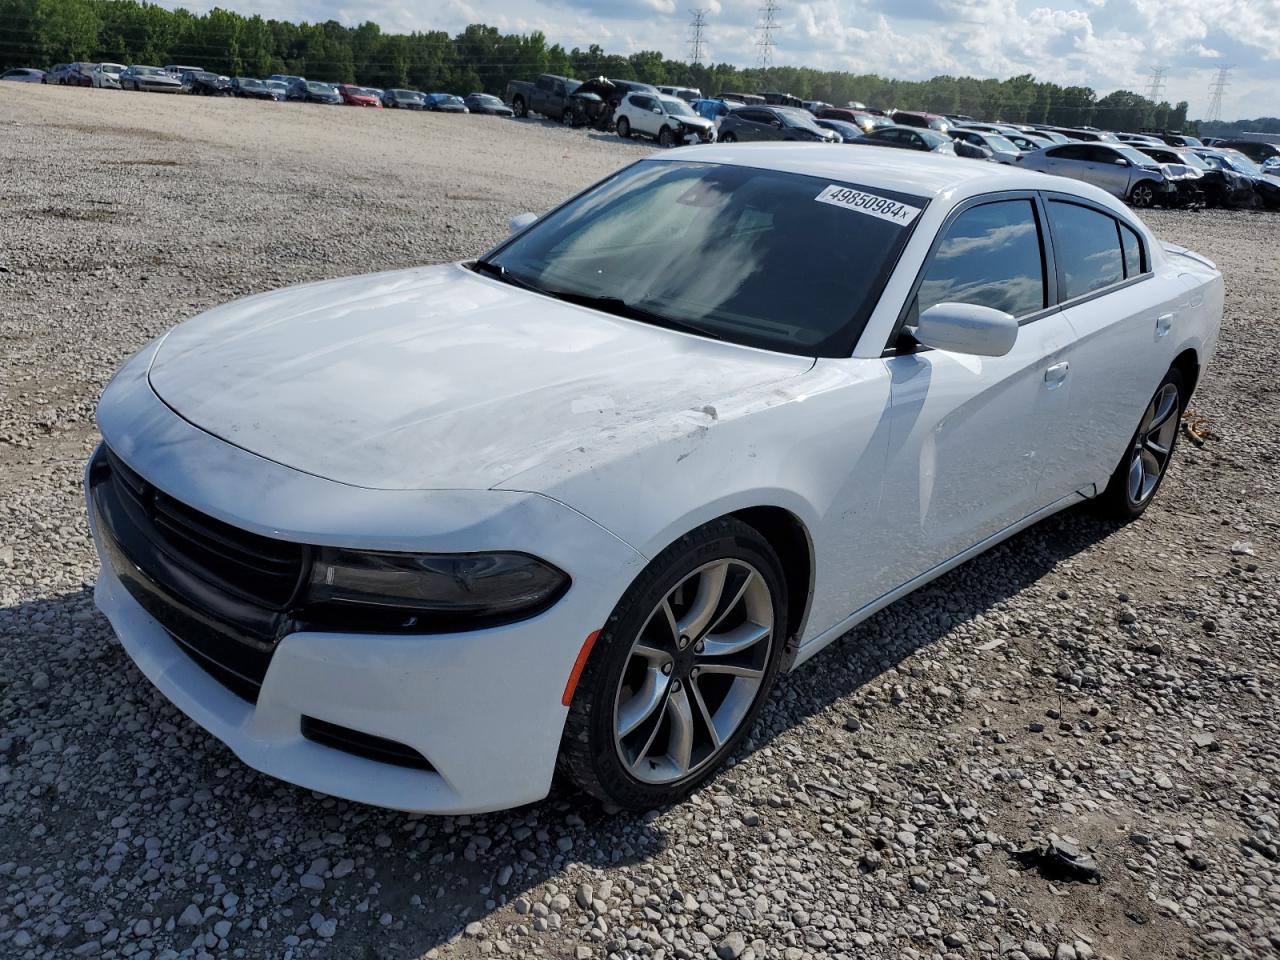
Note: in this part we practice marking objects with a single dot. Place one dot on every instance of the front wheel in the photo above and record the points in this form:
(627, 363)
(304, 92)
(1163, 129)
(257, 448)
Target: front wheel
(624, 128)
(1140, 472)
(680, 670)
(1143, 194)
(728, 137)
(666, 138)
(518, 108)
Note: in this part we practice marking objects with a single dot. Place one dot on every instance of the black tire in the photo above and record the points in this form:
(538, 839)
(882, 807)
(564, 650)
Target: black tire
(728, 137)
(566, 118)
(624, 128)
(588, 754)
(1142, 194)
(519, 108)
(666, 138)
(1118, 502)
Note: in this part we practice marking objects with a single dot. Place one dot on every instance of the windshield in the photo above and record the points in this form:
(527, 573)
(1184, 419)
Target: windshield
(1239, 162)
(931, 137)
(1132, 155)
(111, 68)
(997, 142)
(676, 108)
(149, 71)
(487, 98)
(315, 86)
(1192, 142)
(842, 127)
(405, 94)
(721, 250)
(276, 84)
(797, 117)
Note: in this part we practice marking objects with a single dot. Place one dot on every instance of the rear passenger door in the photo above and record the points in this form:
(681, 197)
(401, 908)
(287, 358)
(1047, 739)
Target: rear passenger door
(756, 125)
(1121, 313)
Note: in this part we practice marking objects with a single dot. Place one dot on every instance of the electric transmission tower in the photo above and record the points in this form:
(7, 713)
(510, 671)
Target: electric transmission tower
(1216, 89)
(765, 44)
(1155, 84)
(697, 43)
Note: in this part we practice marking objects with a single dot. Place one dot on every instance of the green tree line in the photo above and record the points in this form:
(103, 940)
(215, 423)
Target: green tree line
(42, 32)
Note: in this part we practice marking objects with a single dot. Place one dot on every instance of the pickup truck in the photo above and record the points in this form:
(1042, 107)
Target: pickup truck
(548, 95)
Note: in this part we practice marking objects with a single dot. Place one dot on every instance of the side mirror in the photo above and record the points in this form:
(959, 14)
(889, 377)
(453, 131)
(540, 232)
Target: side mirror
(967, 328)
(1121, 162)
(521, 221)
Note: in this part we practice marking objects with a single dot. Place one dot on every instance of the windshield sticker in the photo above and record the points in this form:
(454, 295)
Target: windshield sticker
(882, 207)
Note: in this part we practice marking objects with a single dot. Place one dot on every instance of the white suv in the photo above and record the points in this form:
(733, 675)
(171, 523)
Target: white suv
(668, 120)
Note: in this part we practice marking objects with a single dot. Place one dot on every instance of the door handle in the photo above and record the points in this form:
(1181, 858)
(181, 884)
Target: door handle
(1055, 374)
(1164, 323)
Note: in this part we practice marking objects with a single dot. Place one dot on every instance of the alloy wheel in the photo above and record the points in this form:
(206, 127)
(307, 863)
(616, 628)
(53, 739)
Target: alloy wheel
(1153, 444)
(624, 128)
(694, 672)
(665, 137)
(1143, 195)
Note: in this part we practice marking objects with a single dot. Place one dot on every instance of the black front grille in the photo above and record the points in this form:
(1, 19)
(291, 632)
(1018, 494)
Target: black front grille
(363, 744)
(250, 566)
(222, 593)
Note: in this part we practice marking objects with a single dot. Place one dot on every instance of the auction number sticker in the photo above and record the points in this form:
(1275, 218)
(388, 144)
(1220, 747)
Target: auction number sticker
(882, 207)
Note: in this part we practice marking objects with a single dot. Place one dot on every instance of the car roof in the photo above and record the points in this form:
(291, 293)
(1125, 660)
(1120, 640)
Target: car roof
(921, 174)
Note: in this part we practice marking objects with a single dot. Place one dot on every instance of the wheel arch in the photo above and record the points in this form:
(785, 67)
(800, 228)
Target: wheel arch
(791, 541)
(1188, 363)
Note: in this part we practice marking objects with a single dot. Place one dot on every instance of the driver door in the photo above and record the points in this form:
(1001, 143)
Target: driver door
(969, 436)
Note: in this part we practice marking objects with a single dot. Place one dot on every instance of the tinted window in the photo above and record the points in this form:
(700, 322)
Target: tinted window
(990, 255)
(1087, 248)
(1132, 246)
(1070, 152)
(718, 247)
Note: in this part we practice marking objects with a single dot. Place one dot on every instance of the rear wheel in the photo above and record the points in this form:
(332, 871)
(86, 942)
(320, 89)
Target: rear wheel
(1142, 469)
(680, 670)
(624, 128)
(1143, 194)
(518, 107)
(729, 137)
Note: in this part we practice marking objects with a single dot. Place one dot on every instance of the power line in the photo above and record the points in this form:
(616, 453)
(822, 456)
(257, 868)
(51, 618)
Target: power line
(765, 43)
(1219, 85)
(1155, 87)
(697, 43)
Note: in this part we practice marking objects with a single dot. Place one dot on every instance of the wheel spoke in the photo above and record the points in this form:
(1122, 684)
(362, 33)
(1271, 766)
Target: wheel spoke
(706, 715)
(710, 586)
(651, 653)
(680, 748)
(1153, 444)
(738, 639)
(1165, 402)
(727, 608)
(643, 703)
(1135, 479)
(729, 669)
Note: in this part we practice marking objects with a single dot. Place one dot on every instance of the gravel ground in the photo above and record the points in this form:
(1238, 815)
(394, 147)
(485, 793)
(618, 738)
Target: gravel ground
(1113, 687)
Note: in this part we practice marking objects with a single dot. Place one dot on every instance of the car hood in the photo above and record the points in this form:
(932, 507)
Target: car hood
(438, 378)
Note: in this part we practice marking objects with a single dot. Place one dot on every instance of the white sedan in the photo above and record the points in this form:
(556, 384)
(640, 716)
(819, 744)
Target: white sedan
(422, 538)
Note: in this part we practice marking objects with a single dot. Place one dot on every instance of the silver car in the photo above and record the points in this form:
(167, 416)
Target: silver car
(1119, 169)
(151, 79)
(1003, 150)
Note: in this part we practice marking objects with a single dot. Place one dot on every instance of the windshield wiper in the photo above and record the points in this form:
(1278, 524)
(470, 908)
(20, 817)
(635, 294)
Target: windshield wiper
(505, 275)
(620, 308)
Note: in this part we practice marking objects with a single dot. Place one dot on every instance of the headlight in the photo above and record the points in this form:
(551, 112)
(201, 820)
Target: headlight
(428, 590)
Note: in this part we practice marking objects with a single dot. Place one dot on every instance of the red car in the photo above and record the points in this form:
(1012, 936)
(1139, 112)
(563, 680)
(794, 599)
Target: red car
(355, 96)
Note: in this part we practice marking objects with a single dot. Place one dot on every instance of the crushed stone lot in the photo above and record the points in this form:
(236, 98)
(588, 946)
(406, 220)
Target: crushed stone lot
(1112, 687)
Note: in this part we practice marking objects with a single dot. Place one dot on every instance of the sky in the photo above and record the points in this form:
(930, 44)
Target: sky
(1103, 44)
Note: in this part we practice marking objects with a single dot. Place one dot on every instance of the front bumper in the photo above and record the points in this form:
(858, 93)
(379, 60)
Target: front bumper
(483, 707)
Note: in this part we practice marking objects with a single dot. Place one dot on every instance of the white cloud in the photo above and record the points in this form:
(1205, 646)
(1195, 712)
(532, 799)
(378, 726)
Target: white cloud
(1105, 44)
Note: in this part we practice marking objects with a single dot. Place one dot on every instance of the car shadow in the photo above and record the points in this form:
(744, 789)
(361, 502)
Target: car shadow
(115, 775)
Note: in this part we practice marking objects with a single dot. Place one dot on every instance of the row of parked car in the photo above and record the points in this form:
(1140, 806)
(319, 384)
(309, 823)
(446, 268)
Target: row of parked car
(182, 78)
(1144, 169)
